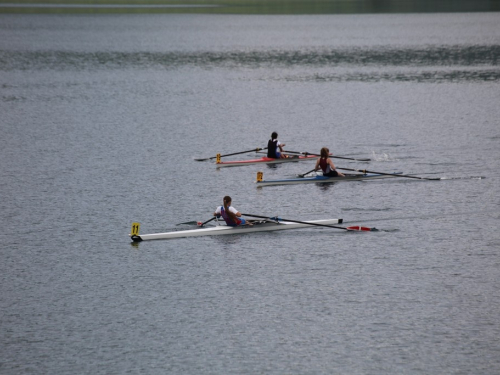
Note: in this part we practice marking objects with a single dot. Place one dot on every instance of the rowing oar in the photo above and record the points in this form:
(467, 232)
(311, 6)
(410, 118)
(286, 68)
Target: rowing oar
(353, 228)
(390, 174)
(199, 223)
(302, 175)
(236, 153)
(336, 157)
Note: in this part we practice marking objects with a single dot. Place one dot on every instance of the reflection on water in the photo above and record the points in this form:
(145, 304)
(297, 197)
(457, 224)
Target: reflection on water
(454, 63)
(325, 187)
(432, 56)
(435, 76)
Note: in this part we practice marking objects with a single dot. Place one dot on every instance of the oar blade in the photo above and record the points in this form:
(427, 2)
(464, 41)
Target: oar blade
(359, 228)
(188, 223)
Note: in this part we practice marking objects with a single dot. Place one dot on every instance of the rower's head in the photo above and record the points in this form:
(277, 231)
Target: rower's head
(274, 135)
(227, 204)
(324, 152)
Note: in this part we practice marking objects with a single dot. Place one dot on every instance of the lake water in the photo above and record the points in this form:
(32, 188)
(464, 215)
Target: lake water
(101, 119)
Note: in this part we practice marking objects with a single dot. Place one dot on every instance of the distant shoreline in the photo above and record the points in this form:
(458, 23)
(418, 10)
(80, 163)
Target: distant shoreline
(257, 7)
(47, 5)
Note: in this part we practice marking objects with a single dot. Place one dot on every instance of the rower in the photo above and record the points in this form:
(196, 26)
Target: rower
(275, 147)
(326, 164)
(231, 215)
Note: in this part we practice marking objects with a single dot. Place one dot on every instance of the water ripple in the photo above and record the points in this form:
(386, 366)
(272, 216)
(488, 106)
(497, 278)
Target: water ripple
(482, 55)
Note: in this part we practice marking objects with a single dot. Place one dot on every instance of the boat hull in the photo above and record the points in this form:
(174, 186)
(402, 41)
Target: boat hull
(323, 179)
(264, 160)
(224, 230)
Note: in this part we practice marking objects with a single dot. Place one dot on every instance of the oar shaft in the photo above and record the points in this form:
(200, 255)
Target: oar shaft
(234, 153)
(299, 222)
(332, 156)
(209, 220)
(302, 175)
(188, 222)
(346, 158)
(302, 153)
(388, 174)
(199, 223)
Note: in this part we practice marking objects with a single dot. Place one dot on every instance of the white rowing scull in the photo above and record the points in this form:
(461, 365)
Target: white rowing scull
(259, 226)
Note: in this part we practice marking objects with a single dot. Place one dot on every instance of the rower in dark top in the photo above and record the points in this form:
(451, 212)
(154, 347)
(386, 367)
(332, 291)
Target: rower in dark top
(326, 164)
(275, 147)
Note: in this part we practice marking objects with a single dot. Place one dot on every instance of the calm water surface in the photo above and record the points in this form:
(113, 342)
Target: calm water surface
(101, 118)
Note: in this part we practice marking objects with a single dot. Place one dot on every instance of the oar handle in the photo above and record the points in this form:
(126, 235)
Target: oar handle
(234, 153)
(209, 220)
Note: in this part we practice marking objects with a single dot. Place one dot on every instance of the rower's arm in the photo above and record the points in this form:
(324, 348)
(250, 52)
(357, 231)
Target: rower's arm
(316, 167)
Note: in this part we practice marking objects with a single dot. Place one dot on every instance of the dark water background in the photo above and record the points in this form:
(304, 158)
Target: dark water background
(101, 118)
(246, 7)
